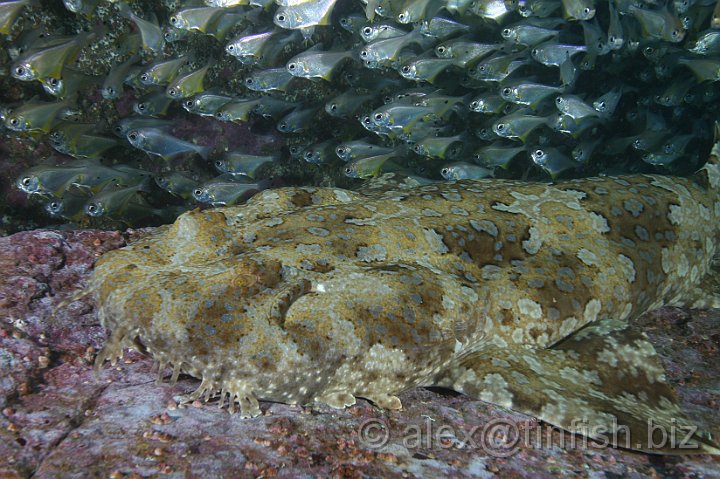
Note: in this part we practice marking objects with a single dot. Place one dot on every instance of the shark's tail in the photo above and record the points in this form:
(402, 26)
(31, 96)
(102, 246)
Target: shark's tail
(709, 175)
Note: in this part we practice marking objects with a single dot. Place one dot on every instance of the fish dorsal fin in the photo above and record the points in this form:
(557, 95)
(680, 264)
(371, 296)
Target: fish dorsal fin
(605, 382)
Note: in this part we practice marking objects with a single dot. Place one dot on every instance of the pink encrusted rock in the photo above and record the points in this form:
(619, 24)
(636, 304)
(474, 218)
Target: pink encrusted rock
(58, 420)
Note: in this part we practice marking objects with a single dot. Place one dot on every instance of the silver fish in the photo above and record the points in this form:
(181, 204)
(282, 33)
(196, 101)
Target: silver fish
(162, 144)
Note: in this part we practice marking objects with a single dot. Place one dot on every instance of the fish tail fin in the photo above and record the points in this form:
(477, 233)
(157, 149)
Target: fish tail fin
(204, 151)
(605, 383)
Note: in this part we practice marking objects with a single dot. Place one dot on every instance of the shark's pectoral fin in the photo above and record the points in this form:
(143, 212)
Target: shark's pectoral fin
(605, 382)
(706, 294)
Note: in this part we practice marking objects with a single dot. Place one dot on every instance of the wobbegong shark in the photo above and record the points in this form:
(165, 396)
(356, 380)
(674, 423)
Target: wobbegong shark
(520, 294)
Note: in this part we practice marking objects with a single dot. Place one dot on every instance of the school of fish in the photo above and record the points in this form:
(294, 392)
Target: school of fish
(435, 89)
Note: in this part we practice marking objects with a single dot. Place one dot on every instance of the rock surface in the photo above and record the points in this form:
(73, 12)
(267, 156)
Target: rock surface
(59, 421)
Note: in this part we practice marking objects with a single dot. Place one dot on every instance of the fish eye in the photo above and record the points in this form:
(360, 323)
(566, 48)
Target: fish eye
(441, 50)
(144, 77)
(402, 17)
(132, 136)
(559, 100)
(406, 69)
(174, 20)
(501, 126)
(92, 208)
(506, 91)
(445, 171)
(218, 163)
(172, 92)
(333, 106)
(230, 47)
(587, 10)
(602, 105)
(506, 32)
(348, 171)
(19, 71)
(475, 105)
(249, 81)
(197, 192)
(54, 205)
(341, 150)
(111, 91)
(280, 17)
(54, 82)
(482, 68)
(366, 120)
(141, 106)
(367, 31)
(282, 125)
(14, 121)
(308, 155)
(378, 116)
(26, 181)
(344, 21)
(364, 53)
(291, 66)
(535, 52)
(189, 103)
(675, 33)
(539, 153)
(611, 38)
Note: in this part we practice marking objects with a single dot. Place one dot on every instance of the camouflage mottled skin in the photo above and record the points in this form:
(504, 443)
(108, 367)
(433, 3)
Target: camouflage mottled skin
(321, 294)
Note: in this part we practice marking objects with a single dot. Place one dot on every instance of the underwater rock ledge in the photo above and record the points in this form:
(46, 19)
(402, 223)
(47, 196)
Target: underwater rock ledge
(58, 421)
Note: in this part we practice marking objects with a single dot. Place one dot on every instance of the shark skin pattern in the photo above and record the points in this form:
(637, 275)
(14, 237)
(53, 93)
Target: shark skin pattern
(520, 294)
